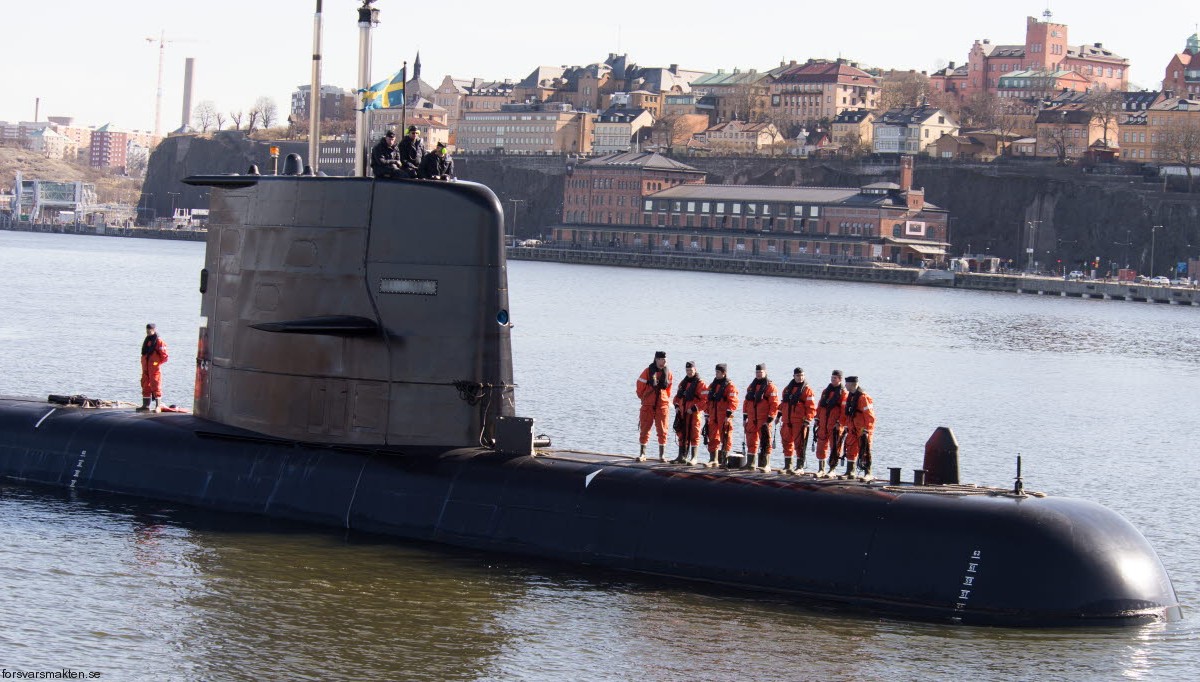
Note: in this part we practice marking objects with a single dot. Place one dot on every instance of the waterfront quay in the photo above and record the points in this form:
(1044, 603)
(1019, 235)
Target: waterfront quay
(884, 273)
(181, 234)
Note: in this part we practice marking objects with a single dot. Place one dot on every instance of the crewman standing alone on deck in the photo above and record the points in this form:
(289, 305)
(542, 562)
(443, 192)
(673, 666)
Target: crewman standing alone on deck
(154, 354)
(758, 411)
(689, 403)
(829, 416)
(797, 407)
(859, 422)
(654, 390)
(721, 399)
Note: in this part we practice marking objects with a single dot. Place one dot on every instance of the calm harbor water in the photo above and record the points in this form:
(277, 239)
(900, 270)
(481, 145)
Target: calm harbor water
(1099, 397)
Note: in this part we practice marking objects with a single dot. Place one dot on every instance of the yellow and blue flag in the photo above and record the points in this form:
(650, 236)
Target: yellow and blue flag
(385, 94)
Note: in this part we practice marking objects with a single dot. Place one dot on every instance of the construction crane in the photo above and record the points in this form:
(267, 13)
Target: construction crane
(162, 52)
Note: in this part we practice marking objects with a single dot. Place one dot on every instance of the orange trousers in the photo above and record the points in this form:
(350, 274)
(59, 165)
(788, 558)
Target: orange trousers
(827, 438)
(658, 417)
(753, 431)
(794, 436)
(720, 436)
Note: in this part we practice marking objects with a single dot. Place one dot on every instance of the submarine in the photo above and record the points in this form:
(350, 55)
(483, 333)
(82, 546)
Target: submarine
(354, 370)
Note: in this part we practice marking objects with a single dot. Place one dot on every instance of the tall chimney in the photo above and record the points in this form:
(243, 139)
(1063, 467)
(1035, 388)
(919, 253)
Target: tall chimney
(906, 173)
(188, 65)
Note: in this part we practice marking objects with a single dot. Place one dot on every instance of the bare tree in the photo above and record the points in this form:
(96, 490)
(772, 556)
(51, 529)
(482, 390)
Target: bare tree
(1106, 105)
(268, 113)
(1056, 136)
(1179, 142)
(203, 115)
(252, 119)
(220, 120)
(236, 117)
(854, 147)
(903, 89)
(747, 102)
(981, 110)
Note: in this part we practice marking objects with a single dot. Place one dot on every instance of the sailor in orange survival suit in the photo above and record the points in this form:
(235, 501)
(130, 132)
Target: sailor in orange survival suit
(758, 411)
(829, 416)
(859, 422)
(154, 354)
(689, 401)
(654, 390)
(797, 407)
(721, 399)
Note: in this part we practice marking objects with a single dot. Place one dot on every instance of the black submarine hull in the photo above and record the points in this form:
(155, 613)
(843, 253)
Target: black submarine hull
(934, 553)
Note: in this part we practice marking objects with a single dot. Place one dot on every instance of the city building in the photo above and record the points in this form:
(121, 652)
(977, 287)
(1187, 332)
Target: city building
(337, 104)
(51, 144)
(536, 128)
(819, 90)
(973, 146)
(853, 128)
(109, 147)
(458, 96)
(428, 117)
(878, 222)
(1045, 48)
(1067, 131)
(909, 130)
(1033, 83)
(1183, 71)
(741, 137)
(608, 190)
(736, 95)
(617, 128)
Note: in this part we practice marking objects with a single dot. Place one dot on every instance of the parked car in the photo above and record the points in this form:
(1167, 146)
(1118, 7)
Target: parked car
(1075, 275)
(1160, 281)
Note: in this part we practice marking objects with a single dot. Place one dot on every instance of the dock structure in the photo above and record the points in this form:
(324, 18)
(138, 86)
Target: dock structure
(886, 273)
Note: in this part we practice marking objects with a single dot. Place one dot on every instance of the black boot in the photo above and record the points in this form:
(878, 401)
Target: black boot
(850, 465)
(662, 453)
(682, 458)
(642, 453)
(691, 456)
(722, 458)
(748, 460)
(800, 461)
(145, 405)
(764, 462)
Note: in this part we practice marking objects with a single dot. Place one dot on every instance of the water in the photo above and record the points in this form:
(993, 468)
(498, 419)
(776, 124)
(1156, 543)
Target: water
(1099, 397)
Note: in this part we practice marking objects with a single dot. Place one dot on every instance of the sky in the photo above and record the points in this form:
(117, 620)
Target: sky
(90, 59)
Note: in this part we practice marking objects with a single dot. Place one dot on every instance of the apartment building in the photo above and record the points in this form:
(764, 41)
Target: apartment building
(536, 128)
(1143, 134)
(853, 127)
(337, 104)
(741, 137)
(618, 127)
(909, 130)
(819, 90)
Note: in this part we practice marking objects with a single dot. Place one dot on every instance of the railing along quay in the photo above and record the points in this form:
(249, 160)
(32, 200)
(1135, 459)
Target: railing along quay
(883, 273)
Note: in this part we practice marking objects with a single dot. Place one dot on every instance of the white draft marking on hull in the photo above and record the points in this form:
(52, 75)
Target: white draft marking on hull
(588, 479)
(39, 422)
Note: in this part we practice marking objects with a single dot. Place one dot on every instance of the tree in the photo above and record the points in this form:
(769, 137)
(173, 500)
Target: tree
(268, 113)
(903, 89)
(1056, 136)
(252, 119)
(220, 120)
(747, 102)
(1106, 106)
(1179, 142)
(236, 117)
(203, 115)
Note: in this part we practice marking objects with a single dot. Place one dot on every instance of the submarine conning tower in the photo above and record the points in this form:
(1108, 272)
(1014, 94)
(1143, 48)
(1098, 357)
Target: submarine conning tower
(356, 312)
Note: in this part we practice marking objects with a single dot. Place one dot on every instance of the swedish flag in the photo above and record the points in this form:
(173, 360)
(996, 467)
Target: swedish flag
(387, 93)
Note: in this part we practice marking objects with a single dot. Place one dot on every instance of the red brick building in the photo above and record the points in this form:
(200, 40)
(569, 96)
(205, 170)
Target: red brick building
(1182, 76)
(609, 189)
(881, 221)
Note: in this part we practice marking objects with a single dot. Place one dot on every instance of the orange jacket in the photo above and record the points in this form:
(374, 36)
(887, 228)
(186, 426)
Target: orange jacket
(832, 405)
(798, 403)
(762, 400)
(154, 354)
(860, 411)
(720, 397)
(689, 394)
(654, 386)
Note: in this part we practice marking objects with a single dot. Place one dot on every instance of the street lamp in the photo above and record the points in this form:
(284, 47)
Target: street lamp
(515, 203)
(173, 195)
(1153, 229)
(1033, 226)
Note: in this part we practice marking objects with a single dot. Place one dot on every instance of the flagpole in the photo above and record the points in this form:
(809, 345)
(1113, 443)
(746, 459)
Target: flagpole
(314, 105)
(367, 17)
(404, 100)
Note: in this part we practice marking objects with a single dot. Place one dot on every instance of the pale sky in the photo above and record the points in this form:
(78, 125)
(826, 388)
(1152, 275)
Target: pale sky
(89, 58)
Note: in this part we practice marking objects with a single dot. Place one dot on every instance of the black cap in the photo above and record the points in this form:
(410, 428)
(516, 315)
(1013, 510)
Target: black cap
(721, 367)
(390, 133)
(798, 371)
(441, 144)
(413, 129)
(760, 366)
(689, 363)
(660, 354)
(151, 325)
(837, 372)
(852, 380)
